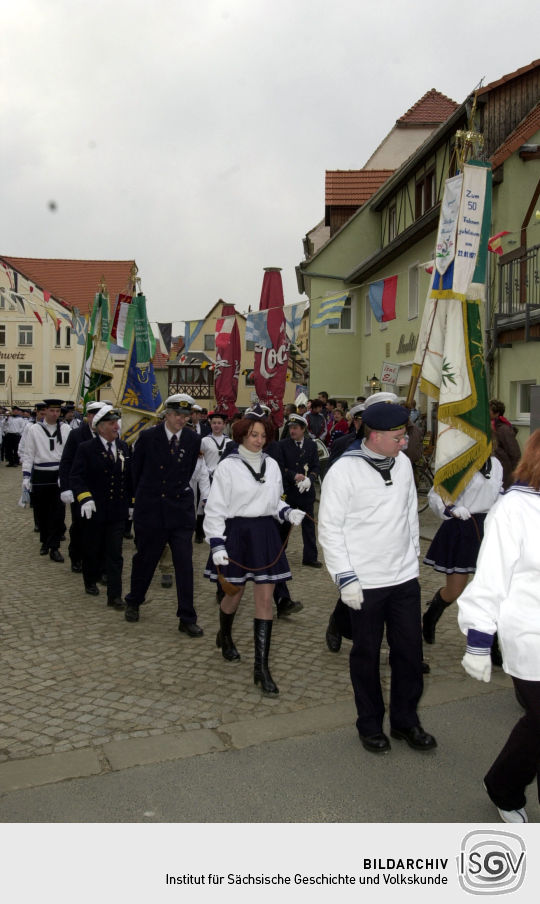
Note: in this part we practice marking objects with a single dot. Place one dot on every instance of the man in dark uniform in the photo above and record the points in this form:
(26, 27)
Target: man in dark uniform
(164, 460)
(300, 470)
(77, 436)
(101, 483)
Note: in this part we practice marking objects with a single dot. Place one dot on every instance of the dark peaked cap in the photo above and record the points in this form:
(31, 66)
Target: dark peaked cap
(385, 416)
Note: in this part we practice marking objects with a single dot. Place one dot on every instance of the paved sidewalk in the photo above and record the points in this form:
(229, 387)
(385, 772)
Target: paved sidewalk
(83, 692)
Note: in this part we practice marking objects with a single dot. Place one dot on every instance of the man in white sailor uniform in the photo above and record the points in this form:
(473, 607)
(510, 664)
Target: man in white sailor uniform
(368, 529)
(164, 460)
(44, 444)
(213, 448)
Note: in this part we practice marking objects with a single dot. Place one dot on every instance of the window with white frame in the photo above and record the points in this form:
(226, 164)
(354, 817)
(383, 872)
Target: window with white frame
(2, 374)
(68, 337)
(346, 321)
(367, 316)
(392, 222)
(209, 342)
(24, 375)
(58, 336)
(523, 399)
(2, 334)
(26, 335)
(2, 299)
(413, 292)
(62, 374)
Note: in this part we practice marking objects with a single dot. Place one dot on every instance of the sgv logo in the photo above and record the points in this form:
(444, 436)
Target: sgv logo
(491, 863)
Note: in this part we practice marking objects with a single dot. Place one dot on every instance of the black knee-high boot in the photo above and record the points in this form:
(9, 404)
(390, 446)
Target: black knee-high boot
(432, 616)
(224, 636)
(262, 630)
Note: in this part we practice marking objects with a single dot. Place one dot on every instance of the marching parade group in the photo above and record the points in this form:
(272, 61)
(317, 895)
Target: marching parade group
(242, 487)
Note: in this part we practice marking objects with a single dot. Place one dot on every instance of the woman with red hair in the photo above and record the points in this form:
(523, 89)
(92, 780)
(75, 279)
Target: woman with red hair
(241, 525)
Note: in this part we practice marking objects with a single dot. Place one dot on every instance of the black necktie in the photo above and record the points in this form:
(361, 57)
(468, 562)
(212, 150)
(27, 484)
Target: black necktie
(299, 444)
(174, 444)
(110, 452)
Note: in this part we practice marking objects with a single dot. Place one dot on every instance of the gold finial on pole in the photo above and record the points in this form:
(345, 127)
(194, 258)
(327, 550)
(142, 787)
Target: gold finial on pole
(469, 143)
(102, 288)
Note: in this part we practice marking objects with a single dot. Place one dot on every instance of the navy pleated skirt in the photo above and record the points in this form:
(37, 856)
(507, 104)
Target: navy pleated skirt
(255, 543)
(455, 546)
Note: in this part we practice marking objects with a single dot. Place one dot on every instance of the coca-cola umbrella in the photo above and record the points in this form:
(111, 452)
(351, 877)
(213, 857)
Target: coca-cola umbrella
(270, 369)
(227, 367)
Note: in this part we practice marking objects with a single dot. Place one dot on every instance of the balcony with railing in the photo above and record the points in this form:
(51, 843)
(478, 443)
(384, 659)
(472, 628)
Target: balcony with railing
(519, 292)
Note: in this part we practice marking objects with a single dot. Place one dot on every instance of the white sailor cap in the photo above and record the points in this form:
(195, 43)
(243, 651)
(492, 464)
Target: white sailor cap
(105, 413)
(181, 401)
(92, 407)
(356, 410)
(381, 397)
(297, 419)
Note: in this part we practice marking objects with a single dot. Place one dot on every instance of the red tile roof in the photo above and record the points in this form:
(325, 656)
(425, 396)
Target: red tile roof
(511, 75)
(74, 282)
(521, 134)
(161, 359)
(352, 188)
(432, 109)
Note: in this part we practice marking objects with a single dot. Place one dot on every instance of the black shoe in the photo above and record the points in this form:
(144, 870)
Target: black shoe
(313, 564)
(377, 743)
(166, 581)
(191, 628)
(44, 549)
(76, 567)
(92, 589)
(416, 737)
(56, 556)
(262, 630)
(116, 602)
(286, 606)
(333, 636)
(426, 668)
(132, 613)
(224, 637)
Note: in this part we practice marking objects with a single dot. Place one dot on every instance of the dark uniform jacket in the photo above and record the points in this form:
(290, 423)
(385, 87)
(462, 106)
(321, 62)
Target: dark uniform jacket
(109, 484)
(77, 436)
(163, 496)
(294, 461)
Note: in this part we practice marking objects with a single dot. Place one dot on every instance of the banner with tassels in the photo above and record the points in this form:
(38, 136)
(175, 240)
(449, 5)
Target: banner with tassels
(449, 360)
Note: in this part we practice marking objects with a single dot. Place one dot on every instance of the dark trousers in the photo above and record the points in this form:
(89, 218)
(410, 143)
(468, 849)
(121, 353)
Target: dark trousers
(49, 514)
(281, 590)
(309, 538)
(11, 444)
(150, 543)
(102, 552)
(518, 763)
(399, 609)
(75, 548)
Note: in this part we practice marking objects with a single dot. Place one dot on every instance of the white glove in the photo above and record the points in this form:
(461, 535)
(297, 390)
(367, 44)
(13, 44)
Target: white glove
(303, 485)
(67, 497)
(352, 595)
(130, 514)
(461, 512)
(27, 483)
(88, 508)
(295, 516)
(220, 557)
(477, 665)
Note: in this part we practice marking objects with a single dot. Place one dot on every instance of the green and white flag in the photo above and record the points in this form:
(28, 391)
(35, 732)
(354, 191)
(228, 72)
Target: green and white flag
(449, 361)
(98, 365)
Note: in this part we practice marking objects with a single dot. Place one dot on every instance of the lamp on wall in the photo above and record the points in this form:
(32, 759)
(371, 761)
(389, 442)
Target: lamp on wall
(374, 383)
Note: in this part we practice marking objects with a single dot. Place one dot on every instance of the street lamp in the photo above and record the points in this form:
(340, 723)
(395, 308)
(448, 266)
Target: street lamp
(374, 383)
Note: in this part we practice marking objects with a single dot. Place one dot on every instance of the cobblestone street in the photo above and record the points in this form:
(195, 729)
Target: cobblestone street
(75, 675)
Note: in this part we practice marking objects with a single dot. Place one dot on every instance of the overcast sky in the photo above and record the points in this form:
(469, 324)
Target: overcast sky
(193, 135)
